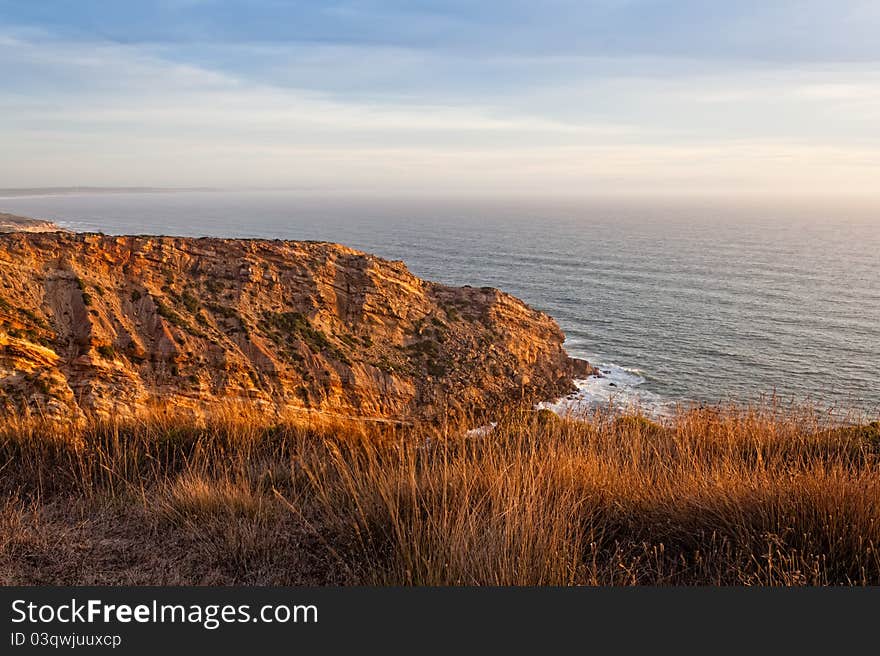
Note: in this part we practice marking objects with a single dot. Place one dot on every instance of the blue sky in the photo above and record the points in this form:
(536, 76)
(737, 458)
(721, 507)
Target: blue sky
(555, 97)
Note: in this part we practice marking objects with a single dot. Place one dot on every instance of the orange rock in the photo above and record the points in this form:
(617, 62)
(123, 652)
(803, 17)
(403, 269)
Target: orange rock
(118, 323)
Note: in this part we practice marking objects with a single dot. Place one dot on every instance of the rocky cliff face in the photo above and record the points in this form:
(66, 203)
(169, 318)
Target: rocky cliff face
(101, 324)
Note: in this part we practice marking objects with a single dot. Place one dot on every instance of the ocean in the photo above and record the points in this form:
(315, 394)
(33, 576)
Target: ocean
(677, 301)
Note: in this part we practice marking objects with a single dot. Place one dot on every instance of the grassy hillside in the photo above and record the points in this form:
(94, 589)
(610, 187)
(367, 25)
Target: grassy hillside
(720, 496)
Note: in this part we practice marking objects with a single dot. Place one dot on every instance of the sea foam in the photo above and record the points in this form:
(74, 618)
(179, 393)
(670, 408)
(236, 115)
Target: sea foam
(618, 388)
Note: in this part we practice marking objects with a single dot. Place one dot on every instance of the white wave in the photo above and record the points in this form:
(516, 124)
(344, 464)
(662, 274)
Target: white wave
(619, 388)
(75, 226)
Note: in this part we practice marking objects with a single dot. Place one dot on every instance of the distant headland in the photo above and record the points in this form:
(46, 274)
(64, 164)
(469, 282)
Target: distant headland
(13, 223)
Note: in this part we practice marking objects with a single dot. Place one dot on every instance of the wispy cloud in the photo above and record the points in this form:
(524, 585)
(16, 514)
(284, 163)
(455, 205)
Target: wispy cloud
(181, 105)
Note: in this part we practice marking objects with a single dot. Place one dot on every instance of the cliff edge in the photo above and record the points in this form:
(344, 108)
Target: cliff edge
(95, 324)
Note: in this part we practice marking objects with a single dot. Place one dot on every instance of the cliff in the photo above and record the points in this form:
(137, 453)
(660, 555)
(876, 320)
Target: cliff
(13, 223)
(94, 324)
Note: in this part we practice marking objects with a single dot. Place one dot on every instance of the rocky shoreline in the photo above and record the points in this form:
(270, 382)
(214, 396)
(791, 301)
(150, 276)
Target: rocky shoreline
(14, 223)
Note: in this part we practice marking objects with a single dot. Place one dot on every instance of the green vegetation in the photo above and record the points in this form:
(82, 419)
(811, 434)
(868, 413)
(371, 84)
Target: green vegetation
(190, 302)
(630, 424)
(427, 351)
(38, 331)
(29, 334)
(33, 318)
(166, 312)
(282, 324)
(867, 433)
(298, 324)
(224, 311)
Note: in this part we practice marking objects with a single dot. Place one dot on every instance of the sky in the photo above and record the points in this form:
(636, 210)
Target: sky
(555, 97)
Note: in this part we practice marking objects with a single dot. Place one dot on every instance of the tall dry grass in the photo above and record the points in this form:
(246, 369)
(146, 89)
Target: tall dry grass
(765, 496)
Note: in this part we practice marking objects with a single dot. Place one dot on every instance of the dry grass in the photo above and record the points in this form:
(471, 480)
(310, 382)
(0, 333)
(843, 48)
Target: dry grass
(760, 496)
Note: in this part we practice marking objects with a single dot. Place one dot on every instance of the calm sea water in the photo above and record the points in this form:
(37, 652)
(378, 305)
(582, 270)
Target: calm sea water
(707, 301)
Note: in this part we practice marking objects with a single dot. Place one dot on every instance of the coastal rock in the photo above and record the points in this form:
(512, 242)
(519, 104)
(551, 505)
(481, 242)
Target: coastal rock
(13, 223)
(583, 369)
(95, 324)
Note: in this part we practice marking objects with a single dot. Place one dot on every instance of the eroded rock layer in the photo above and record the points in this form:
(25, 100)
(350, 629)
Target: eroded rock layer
(103, 324)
